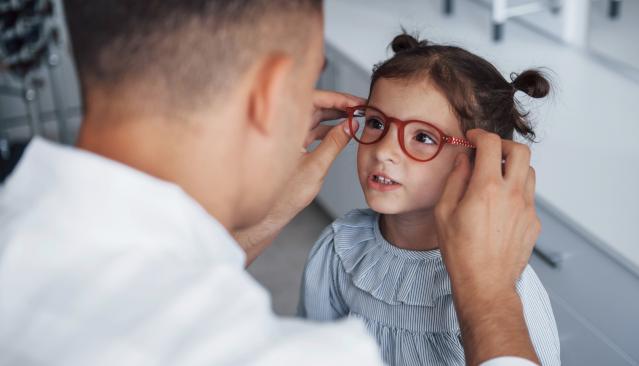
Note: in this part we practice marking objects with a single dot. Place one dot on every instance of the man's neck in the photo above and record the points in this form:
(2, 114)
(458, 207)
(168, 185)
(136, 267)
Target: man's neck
(151, 146)
(412, 230)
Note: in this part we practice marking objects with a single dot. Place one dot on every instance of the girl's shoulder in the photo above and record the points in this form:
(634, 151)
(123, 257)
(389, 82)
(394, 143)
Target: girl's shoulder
(360, 218)
(352, 229)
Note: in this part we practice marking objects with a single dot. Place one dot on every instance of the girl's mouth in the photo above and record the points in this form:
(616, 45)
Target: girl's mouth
(382, 183)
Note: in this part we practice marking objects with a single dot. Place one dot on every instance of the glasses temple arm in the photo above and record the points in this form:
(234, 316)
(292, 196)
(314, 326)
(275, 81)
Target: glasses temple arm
(458, 141)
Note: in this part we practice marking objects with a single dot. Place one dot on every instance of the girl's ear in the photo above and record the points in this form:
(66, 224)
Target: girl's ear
(268, 92)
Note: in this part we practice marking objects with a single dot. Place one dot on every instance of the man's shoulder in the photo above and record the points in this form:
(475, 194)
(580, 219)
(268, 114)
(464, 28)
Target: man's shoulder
(151, 303)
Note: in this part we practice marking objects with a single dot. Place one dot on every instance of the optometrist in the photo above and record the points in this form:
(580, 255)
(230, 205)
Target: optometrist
(130, 248)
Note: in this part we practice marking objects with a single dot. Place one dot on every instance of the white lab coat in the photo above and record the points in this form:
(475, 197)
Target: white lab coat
(101, 264)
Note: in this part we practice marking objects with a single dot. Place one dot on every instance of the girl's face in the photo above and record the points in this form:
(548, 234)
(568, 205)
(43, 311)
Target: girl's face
(416, 185)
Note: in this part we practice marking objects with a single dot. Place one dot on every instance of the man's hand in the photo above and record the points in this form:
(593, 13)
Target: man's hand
(487, 220)
(308, 178)
(487, 227)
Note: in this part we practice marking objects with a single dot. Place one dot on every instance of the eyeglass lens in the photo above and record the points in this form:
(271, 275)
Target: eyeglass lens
(421, 141)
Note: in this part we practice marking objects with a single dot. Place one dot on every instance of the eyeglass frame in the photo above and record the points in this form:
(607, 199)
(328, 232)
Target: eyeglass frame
(445, 139)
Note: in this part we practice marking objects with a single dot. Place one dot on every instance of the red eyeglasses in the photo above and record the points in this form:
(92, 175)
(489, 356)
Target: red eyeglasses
(419, 140)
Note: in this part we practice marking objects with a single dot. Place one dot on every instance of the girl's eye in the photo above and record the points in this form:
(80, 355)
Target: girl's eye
(375, 123)
(424, 138)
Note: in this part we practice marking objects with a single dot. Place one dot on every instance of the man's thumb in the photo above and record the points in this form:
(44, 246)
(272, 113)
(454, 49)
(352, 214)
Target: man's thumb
(456, 184)
(332, 144)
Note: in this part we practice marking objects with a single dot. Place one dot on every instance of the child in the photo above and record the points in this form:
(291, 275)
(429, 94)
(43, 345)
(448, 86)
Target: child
(383, 265)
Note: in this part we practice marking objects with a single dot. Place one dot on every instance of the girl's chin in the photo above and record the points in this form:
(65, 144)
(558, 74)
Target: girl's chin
(385, 206)
(394, 206)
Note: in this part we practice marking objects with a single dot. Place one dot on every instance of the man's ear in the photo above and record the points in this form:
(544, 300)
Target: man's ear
(268, 90)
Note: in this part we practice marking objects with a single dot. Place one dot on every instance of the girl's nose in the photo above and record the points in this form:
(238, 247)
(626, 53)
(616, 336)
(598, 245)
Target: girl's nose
(388, 149)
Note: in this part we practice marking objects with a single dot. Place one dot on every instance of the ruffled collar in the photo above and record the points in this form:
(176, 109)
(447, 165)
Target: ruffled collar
(390, 274)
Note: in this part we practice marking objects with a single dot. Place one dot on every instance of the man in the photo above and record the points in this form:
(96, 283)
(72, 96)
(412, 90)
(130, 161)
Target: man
(118, 251)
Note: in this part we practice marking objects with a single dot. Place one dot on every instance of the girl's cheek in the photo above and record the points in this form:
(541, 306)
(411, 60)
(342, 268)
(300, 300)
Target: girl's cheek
(427, 182)
(362, 161)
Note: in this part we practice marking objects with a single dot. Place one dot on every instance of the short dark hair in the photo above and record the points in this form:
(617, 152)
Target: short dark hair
(188, 44)
(478, 93)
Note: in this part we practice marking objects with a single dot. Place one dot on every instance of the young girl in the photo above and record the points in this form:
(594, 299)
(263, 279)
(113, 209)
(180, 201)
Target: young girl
(383, 265)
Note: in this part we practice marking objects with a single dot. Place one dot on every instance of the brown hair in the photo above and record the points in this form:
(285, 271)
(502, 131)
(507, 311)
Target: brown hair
(480, 96)
(193, 46)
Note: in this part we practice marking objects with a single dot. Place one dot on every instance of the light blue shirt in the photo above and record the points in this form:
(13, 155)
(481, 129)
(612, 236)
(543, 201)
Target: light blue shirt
(404, 297)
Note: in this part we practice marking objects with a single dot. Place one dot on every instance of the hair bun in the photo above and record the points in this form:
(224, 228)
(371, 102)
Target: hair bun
(532, 82)
(406, 42)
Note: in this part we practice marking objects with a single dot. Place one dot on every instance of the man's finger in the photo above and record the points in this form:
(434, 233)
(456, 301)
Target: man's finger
(324, 114)
(455, 185)
(487, 155)
(333, 143)
(330, 105)
(324, 99)
(318, 133)
(517, 158)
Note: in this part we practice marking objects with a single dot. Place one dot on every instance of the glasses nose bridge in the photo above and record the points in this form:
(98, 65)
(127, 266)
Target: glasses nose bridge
(399, 124)
(394, 121)
(391, 142)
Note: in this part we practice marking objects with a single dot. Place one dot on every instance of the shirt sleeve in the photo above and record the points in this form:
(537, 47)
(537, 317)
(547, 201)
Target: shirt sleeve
(320, 297)
(508, 361)
(539, 317)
